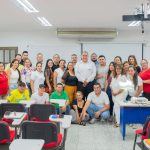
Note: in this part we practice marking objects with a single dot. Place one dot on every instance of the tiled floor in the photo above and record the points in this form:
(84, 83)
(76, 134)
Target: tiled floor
(99, 136)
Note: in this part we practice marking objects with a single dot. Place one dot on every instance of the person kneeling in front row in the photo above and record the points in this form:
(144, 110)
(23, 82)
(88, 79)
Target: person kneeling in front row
(77, 111)
(97, 104)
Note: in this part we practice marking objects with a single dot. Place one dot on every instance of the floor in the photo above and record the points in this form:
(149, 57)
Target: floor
(99, 136)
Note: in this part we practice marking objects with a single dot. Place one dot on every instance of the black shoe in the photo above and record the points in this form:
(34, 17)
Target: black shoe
(83, 123)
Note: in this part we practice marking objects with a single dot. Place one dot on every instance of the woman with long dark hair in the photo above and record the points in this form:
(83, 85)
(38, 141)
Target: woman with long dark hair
(132, 61)
(37, 77)
(118, 60)
(48, 73)
(110, 75)
(13, 74)
(135, 86)
(70, 81)
(58, 73)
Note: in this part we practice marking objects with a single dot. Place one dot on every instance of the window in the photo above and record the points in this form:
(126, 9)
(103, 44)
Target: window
(7, 54)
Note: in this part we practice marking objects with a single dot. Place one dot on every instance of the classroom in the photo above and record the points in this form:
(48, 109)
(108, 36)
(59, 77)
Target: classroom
(78, 69)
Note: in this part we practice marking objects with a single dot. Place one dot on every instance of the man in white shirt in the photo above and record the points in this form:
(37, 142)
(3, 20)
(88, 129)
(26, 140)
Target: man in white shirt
(102, 71)
(97, 104)
(40, 97)
(85, 71)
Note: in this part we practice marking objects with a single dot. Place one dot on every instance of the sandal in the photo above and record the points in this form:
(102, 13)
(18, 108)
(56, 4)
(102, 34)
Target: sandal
(116, 125)
(83, 123)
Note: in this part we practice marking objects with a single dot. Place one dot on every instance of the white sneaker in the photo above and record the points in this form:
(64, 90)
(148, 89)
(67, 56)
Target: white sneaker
(92, 121)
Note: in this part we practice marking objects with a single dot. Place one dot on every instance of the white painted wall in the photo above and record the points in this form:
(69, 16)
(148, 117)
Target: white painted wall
(48, 43)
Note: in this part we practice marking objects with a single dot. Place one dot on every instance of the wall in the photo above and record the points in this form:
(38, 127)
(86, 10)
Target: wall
(39, 41)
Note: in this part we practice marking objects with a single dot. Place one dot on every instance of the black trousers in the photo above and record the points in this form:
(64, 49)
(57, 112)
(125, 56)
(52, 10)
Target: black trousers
(85, 90)
(146, 95)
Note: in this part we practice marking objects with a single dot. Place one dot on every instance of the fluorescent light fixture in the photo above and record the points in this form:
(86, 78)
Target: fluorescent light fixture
(27, 6)
(44, 21)
(134, 23)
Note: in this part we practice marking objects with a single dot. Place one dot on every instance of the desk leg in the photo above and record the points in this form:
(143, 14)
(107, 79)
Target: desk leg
(15, 132)
(124, 131)
(64, 139)
(122, 123)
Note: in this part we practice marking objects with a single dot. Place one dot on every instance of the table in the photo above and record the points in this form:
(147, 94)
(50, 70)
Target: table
(3, 101)
(132, 114)
(147, 143)
(61, 102)
(26, 144)
(27, 103)
(65, 122)
(16, 121)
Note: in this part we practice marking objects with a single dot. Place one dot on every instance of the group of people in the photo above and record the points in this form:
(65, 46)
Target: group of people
(92, 89)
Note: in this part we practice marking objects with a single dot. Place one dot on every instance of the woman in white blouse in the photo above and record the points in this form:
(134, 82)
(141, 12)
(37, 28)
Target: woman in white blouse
(135, 83)
(13, 75)
(58, 73)
(118, 92)
(37, 78)
(26, 73)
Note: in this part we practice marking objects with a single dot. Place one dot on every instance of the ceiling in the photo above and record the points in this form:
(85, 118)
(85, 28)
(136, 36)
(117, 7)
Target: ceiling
(69, 14)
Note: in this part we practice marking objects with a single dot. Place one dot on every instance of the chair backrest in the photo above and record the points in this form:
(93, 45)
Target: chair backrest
(146, 125)
(4, 132)
(11, 107)
(42, 111)
(39, 130)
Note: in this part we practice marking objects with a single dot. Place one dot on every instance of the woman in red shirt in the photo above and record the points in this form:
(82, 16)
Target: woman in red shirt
(145, 75)
(3, 82)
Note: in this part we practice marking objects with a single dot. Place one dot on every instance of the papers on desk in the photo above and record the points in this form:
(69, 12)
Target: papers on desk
(14, 115)
(60, 102)
(27, 102)
(3, 101)
(139, 100)
(66, 120)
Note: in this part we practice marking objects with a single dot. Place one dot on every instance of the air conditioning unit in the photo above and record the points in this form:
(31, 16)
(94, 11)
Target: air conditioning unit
(86, 33)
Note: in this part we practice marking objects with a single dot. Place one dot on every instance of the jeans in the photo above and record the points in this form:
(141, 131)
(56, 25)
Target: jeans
(67, 110)
(92, 109)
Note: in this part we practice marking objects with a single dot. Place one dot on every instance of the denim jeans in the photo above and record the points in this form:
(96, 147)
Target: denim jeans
(67, 110)
(92, 109)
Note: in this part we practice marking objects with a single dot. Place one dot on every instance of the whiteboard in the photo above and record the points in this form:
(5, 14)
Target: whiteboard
(110, 50)
(65, 51)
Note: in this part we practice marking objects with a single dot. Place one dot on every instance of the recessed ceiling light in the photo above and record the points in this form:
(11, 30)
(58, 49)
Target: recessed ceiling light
(44, 21)
(27, 6)
(134, 23)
